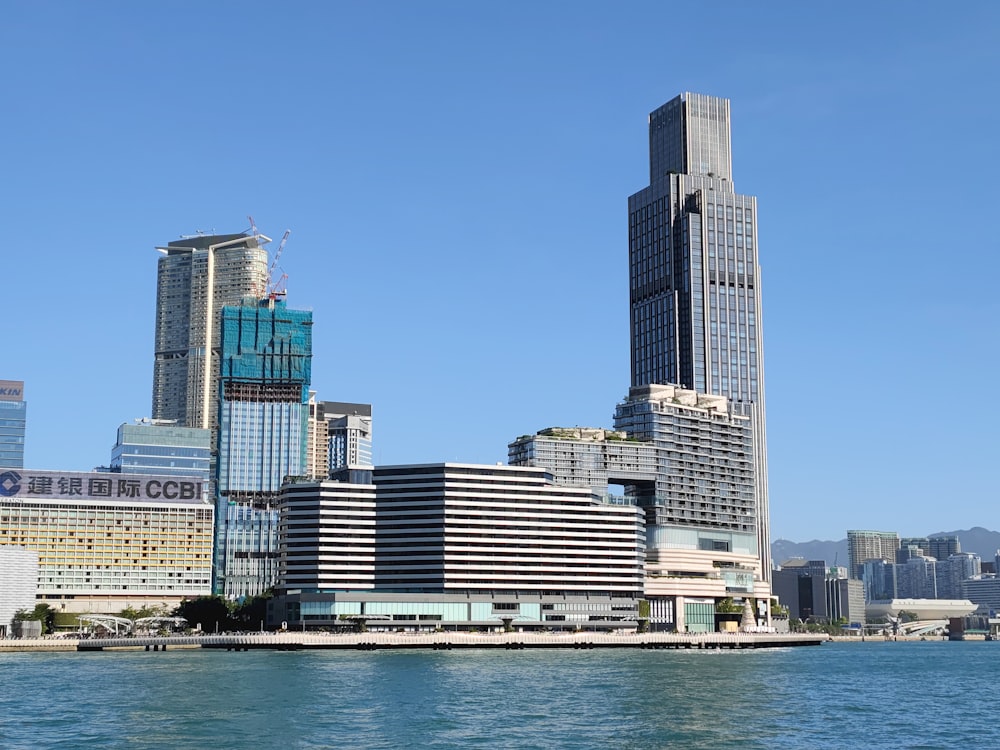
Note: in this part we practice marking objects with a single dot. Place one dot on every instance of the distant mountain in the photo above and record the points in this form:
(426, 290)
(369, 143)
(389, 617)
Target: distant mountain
(830, 552)
(983, 542)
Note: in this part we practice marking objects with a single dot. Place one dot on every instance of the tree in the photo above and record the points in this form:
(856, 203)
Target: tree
(213, 613)
(728, 607)
(42, 613)
(252, 611)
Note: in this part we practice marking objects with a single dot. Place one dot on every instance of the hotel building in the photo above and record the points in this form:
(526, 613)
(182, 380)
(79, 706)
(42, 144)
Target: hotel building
(105, 542)
(687, 461)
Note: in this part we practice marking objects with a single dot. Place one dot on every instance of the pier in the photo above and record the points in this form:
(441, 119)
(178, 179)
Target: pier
(445, 641)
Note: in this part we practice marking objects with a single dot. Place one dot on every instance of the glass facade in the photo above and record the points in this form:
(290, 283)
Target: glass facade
(151, 448)
(694, 277)
(263, 420)
(13, 421)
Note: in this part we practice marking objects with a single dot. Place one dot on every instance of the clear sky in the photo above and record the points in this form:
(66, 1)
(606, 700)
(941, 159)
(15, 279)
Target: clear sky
(455, 176)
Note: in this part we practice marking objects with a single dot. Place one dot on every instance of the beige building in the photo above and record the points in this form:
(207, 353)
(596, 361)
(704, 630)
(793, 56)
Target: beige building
(110, 541)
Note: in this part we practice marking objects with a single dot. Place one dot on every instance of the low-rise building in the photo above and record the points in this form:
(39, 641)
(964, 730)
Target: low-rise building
(18, 583)
(458, 545)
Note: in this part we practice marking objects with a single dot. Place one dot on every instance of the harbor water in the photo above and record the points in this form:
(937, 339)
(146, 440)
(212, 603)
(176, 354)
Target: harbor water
(839, 695)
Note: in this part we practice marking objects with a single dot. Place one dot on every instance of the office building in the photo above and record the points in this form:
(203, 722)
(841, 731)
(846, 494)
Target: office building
(196, 277)
(984, 592)
(326, 535)
(694, 276)
(18, 582)
(13, 420)
(105, 542)
(687, 461)
(162, 447)
(950, 573)
(265, 370)
(349, 431)
(340, 435)
(870, 545)
(814, 591)
(462, 545)
(880, 581)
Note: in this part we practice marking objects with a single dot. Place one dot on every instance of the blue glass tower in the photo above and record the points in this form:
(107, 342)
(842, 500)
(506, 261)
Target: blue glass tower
(265, 370)
(13, 419)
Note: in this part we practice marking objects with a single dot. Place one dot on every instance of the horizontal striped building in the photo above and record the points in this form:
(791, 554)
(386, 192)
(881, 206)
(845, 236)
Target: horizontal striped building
(458, 544)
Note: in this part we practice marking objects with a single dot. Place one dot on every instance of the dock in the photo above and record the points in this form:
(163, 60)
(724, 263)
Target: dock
(443, 641)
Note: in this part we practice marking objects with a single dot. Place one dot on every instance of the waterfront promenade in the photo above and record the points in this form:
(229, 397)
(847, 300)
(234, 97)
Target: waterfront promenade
(437, 641)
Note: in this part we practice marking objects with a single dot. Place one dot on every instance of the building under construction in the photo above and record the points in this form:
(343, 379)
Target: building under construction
(263, 396)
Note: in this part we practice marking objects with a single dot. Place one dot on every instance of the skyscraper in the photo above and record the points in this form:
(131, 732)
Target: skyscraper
(694, 279)
(870, 545)
(266, 364)
(13, 419)
(196, 277)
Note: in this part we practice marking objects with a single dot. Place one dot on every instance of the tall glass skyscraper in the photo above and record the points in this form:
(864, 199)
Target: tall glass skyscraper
(694, 277)
(13, 420)
(265, 370)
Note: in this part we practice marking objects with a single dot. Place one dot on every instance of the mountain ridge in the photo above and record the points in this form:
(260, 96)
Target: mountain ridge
(978, 539)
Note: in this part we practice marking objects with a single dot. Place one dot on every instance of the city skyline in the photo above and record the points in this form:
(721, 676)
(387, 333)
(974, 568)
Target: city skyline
(456, 208)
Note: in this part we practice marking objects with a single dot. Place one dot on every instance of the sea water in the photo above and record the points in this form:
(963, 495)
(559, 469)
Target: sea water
(838, 695)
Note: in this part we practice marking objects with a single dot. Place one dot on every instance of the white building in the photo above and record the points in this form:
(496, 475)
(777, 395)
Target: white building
(18, 583)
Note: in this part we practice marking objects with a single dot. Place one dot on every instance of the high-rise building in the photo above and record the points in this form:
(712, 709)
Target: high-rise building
(196, 277)
(105, 541)
(943, 547)
(161, 447)
(13, 419)
(265, 370)
(870, 545)
(687, 461)
(317, 437)
(349, 431)
(694, 277)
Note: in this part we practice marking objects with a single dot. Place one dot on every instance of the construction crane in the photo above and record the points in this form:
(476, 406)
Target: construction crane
(273, 286)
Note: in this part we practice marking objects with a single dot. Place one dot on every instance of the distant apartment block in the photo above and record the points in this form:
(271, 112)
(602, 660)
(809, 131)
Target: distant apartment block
(870, 545)
(13, 423)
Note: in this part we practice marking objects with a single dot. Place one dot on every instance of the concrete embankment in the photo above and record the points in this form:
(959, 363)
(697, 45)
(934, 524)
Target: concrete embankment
(436, 641)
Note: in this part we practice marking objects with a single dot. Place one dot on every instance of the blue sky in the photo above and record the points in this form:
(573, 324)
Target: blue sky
(455, 176)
